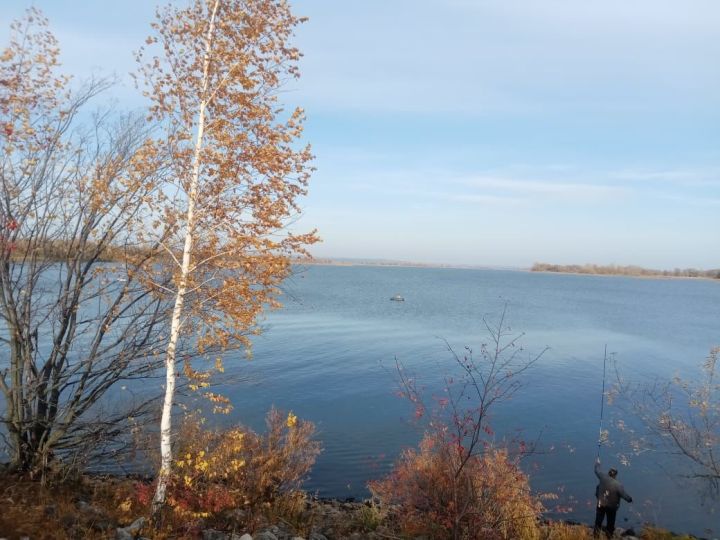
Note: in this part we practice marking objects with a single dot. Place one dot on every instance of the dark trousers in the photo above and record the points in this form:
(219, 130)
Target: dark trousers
(600, 513)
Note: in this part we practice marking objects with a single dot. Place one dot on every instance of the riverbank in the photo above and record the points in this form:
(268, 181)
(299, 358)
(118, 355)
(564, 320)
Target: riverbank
(627, 271)
(101, 508)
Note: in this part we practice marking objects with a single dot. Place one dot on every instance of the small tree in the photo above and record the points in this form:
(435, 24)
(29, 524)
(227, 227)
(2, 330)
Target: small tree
(236, 173)
(70, 199)
(682, 417)
(461, 484)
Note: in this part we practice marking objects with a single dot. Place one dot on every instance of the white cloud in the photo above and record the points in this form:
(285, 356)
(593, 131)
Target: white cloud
(684, 177)
(547, 188)
(484, 200)
(687, 200)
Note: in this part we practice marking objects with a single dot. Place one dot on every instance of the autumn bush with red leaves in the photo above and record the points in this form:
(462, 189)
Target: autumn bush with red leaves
(217, 470)
(489, 498)
(461, 482)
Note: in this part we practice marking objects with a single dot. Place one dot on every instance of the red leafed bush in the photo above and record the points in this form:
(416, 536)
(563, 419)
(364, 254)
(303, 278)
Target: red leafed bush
(216, 470)
(432, 494)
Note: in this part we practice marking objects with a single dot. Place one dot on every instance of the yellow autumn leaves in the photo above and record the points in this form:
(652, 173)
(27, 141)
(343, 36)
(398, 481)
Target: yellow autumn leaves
(216, 469)
(224, 461)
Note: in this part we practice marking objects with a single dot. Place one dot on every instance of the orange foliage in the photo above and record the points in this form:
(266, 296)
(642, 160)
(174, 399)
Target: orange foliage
(490, 497)
(235, 166)
(218, 470)
(212, 71)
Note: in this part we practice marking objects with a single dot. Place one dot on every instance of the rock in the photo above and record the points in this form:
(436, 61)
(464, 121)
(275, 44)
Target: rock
(212, 534)
(317, 536)
(236, 514)
(122, 534)
(89, 510)
(297, 538)
(90, 515)
(103, 524)
(245, 536)
(131, 531)
(265, 535)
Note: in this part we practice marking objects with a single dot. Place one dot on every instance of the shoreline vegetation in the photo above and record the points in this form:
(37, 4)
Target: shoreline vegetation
(59, 250)
(104, 506)
(584, 269)
(629, 270)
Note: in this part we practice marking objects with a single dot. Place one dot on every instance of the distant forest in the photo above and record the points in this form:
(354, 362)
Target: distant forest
(625, 270)
(62, 250)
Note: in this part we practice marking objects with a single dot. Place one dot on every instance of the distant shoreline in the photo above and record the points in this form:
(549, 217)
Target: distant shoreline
(402, 264)
(649, 276)
(541, 268)
(626, 271)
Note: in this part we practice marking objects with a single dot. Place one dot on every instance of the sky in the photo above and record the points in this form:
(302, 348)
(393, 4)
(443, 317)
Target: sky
(484, 132)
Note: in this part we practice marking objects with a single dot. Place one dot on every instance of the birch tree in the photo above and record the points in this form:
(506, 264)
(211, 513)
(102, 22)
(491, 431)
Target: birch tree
(213, 71)
(72, 197)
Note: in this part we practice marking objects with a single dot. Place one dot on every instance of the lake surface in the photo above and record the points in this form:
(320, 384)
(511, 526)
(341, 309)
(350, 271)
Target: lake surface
(328, 355)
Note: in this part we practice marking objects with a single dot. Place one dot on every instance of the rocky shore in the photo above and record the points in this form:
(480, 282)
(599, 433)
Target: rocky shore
(322, 519)
(96, 508)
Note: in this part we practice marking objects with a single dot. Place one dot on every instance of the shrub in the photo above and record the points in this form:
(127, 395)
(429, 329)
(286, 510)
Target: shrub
(369, 517)
(279, 461)
(432, 494)
(459, 484)
(236, 468)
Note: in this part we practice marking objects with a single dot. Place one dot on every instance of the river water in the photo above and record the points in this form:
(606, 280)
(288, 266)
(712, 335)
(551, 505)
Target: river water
(329, 356)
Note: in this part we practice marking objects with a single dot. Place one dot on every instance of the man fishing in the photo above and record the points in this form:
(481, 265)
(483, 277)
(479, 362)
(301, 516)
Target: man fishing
(609, 492)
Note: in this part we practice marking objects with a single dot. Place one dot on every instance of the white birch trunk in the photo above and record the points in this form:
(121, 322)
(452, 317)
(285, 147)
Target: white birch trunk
(166, 420)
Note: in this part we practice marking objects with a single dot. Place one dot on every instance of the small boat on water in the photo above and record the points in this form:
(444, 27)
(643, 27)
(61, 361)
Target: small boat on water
(397, 298)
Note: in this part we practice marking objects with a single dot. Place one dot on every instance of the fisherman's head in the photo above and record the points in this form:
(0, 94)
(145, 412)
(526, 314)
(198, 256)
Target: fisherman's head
(612, 473)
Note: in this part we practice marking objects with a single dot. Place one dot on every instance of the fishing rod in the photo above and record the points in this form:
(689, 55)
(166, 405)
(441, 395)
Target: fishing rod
(602, 403)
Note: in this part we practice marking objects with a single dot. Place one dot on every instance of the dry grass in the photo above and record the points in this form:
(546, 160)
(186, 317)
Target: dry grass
(656, 533)
(85, 508)
(565, 531)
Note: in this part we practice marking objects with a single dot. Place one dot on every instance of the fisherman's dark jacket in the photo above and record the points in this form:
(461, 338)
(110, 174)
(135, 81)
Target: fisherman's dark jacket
(609, 491)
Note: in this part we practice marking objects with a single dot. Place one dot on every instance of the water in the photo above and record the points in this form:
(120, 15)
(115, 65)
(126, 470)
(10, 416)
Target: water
(329, 355)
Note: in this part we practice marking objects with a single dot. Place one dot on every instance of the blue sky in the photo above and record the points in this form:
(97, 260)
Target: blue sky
(490, 132)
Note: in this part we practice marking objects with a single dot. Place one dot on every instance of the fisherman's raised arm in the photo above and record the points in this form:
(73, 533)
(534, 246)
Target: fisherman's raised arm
(598, 473)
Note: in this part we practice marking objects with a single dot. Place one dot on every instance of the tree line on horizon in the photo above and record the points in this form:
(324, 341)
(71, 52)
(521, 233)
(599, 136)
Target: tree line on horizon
(628, 270)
